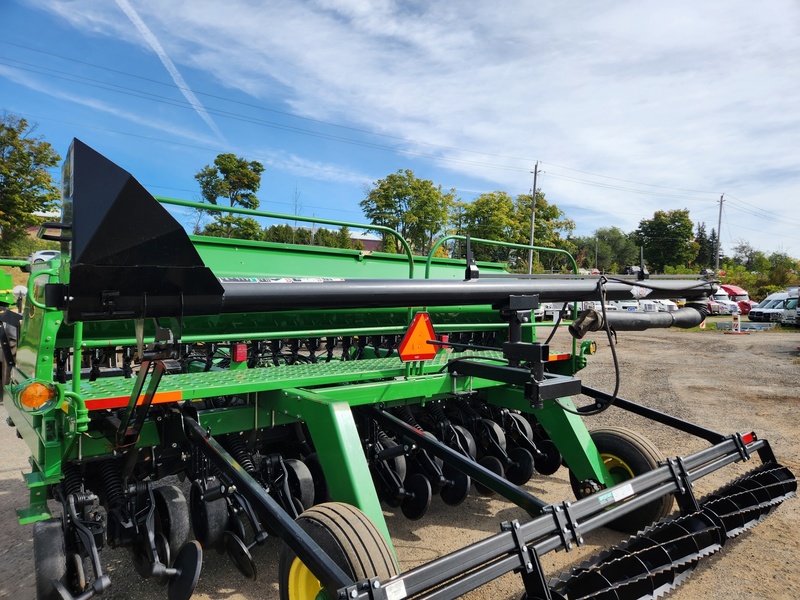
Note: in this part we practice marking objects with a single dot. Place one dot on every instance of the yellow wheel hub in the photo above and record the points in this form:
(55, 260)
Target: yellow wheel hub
(619, 469)
(302, 583)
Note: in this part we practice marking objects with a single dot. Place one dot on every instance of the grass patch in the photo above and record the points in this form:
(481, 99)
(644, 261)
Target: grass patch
(17, 276)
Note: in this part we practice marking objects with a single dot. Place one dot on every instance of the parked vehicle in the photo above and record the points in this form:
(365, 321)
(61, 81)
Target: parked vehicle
(789, 316)
(41, 256)
(630, 305)
(770, 308)
(667, 305)
(714, 307)
(553, 309)
(727, 306)
(740, 296)
(648, 306)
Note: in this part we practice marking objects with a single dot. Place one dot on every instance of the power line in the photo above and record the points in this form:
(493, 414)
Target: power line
(629, 180)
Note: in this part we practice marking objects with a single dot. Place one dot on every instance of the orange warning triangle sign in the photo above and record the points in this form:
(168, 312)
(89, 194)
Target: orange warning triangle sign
(415, 344)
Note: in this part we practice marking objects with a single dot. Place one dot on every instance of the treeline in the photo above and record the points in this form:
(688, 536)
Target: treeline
(423, 214)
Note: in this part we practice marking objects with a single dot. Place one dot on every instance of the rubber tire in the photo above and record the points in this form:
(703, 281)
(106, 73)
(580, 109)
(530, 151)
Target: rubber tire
(172, 516)
(348, 537)
(49, 557)
(636, 453)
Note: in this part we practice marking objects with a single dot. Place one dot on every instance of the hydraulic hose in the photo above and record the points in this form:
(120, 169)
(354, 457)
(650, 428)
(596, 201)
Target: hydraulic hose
(690, 315)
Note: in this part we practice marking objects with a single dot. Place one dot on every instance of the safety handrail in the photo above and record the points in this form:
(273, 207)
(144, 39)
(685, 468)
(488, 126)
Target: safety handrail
(286, 217)
(446, 238)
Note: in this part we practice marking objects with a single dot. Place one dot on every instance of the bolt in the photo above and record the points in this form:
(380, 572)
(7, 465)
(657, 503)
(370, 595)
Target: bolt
(516, 525)
(529, 565)
(353, 594)
(376, 584)
(580, 540)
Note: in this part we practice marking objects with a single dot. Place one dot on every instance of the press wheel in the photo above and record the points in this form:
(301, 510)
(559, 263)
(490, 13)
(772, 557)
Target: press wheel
(301, 482)
(348, 537)
(171, 518)
(209, 519)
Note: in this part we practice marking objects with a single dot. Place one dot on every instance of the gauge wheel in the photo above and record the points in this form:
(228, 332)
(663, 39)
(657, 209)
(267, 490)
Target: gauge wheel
(172, 517)
(348, 537)
(626, 455)
(50, 558)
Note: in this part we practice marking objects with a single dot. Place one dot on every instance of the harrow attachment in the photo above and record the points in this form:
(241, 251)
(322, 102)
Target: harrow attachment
(181, 394)
(661, 557)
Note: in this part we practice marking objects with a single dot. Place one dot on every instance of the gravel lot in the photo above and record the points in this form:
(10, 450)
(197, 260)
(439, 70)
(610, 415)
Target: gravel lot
(725, 382)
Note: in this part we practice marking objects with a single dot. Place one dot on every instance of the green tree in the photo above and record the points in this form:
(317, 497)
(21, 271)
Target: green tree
(783, 269)
(490, 216)
(343, 238)
(236, 180)
(551, 230)
(712, 248)
(706, 247)
(416, 208)
(326, 238)
(667, 239)
(611, 245)
(26, 186)
(750, 258)
(230, 226)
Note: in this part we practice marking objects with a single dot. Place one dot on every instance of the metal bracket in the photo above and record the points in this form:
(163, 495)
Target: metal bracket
(522, 549)
(531, 567)
(741, 446)
(685, 496)
(368, 588)
(568, 529)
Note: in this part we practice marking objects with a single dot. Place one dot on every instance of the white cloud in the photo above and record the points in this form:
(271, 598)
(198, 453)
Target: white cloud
(685, 95)
(154, 44)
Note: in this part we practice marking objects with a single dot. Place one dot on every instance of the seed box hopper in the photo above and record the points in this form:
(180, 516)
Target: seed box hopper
(295, 390)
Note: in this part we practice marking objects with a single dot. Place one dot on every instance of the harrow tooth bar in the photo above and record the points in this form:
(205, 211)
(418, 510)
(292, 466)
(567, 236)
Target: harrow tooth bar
(747, 500)
(647, 565)
(661, 557)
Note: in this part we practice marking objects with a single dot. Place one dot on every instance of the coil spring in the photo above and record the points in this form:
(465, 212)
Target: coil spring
(112, 484)
(235, 446)
(437, 413)
(468, 411)
(73, 482)
(404, 413)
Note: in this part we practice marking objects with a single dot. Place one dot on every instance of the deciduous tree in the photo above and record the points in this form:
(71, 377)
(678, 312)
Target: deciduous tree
(235, 180)
(26, 185)
(415, 208)
(667, 239)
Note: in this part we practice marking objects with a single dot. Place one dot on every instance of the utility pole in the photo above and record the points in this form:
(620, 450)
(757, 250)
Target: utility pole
(533, 216)
(719, 226)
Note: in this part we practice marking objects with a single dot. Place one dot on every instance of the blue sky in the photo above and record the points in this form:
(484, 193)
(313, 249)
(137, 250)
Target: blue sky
(629, 107)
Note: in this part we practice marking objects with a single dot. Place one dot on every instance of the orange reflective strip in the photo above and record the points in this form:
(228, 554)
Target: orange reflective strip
(120, 401)
(563, 356)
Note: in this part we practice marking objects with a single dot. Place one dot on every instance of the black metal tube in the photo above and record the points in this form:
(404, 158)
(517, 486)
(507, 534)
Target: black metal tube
(320, 564)
(528, 502)
(266, 294)
(654, 415)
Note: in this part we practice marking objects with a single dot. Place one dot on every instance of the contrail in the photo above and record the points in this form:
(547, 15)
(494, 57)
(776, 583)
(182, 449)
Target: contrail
(168, 64)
